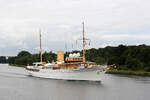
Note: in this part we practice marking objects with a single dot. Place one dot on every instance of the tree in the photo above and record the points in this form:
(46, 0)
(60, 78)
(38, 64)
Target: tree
(3, 59)
(134, 64)
(49, 57)
(100, 60)
(11, 60)
(23, 53)
(125, 57)
(113, 60)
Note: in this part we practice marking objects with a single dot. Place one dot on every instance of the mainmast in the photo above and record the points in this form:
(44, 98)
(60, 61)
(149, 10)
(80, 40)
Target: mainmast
(40, 47)
(84, 43)
(84, 39)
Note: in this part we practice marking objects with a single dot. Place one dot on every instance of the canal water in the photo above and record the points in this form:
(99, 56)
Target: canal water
(15, 84)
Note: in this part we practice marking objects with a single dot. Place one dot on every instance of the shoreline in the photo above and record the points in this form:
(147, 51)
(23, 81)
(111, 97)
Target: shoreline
(112, 71)
(128, 72)
(14, 65)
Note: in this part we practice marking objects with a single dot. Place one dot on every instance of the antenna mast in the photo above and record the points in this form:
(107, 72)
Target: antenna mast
(40, 47)
(84, 43)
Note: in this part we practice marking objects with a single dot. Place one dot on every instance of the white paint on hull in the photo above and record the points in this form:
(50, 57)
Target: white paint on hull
(67, 74)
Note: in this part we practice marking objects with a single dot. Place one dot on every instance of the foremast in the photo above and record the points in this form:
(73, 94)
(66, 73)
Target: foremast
(40, 47)
(84, 43)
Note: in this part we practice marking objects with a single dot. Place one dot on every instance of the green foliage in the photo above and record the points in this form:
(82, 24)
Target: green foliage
(23, 53)
(147, 69)
(3, 59)
(113, 60)
(124, 57)
(100, 60)
(128, 72)
(49, 57)
(124, 67)
(134, 64)
(24, 58)
(11, 60)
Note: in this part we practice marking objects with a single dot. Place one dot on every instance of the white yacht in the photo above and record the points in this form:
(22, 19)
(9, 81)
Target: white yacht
(67, 71)
(74, 67)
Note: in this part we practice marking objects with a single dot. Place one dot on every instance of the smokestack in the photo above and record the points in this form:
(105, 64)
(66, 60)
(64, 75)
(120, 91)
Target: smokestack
(60, 56)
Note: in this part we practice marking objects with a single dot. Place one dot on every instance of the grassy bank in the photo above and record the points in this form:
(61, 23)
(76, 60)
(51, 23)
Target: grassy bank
(128, 72)
(16, 65)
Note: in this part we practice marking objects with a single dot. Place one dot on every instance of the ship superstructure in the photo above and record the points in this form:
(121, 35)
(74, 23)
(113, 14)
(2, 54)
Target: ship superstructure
(73, 67)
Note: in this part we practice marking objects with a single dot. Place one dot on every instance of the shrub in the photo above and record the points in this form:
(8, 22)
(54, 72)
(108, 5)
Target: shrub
(134, 64)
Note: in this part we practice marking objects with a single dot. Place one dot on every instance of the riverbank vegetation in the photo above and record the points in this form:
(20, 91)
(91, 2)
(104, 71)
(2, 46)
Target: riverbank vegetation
(127, 58)
(24, 57)
(3, 60)
(128, 72)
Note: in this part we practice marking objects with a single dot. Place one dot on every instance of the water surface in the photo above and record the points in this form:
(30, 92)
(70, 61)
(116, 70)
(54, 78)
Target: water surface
(15, 84)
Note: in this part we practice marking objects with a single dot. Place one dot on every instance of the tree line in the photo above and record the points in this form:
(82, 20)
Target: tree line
(3, 60)
(125, 57)
(24, 57)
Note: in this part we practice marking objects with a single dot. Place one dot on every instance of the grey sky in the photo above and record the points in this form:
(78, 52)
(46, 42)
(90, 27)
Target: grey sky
(107, 22)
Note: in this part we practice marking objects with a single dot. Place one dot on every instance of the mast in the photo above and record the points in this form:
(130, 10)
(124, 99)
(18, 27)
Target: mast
(40, 47)
(84, 39)
(84, 43)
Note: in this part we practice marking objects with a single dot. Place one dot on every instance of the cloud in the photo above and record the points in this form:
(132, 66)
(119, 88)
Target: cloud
(107, 22)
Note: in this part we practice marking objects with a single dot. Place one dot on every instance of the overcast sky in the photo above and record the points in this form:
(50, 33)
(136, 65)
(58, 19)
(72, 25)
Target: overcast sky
(107, 22)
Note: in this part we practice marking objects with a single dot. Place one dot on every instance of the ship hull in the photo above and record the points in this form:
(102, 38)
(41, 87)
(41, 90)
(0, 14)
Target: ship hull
(67, 74)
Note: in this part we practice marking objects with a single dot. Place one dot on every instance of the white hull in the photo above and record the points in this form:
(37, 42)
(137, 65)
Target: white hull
(66, 74)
